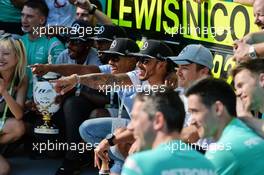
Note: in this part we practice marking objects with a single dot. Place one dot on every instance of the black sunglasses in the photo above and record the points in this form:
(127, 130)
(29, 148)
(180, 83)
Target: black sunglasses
(146, 60)
(114, 58)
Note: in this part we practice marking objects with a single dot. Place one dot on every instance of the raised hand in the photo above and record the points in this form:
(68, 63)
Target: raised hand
(65, 84)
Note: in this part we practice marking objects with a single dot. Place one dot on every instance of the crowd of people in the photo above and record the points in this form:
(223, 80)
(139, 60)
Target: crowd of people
(145, 110)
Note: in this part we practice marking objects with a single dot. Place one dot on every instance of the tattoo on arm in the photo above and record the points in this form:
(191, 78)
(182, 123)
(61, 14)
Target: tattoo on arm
(96, 81)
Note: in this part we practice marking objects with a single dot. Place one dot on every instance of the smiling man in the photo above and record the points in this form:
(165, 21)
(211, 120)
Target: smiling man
(238, 150)
(157, 120)
(78, 109)
(153, 68)
(38, 48)
(195, 62)
(249, 85)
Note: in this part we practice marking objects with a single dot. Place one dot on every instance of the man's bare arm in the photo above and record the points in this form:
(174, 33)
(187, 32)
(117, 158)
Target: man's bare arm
(95, 81)
(64, 69)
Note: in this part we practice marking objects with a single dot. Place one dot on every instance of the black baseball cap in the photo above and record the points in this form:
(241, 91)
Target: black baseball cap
(109, 33)
(122, 47)
(154, 49)
(81, 30)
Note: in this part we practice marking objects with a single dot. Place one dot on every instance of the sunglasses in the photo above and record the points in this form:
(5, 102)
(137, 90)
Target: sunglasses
(114, 58)
(146, 60)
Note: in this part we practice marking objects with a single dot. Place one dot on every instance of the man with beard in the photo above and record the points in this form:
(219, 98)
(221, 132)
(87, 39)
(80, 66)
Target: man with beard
(153, 68)
(238, 150)
(252, 45)
(38, 48)
(80, 50)
(77, 109)
(157, 120)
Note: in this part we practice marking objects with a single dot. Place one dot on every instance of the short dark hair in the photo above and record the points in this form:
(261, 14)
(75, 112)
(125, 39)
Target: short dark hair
(211, 90)
(168, 102)
(255, 66)
(40, 5)
(200, 67)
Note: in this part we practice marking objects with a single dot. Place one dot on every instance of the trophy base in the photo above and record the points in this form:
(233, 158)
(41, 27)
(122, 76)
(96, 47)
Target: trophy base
(46, 131)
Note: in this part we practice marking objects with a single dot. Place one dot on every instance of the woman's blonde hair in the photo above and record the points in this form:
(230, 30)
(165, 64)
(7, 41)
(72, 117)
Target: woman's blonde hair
(18, 47)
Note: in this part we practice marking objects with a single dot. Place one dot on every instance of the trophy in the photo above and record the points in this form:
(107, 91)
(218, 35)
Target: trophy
(44, 97)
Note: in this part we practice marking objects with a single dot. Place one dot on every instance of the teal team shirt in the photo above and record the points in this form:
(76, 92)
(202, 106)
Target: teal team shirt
(38, 51)
(172, 158)
(8, 12)
(239, 151)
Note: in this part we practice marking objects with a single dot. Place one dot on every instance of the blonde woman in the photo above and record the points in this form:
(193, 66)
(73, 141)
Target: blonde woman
(13, 87)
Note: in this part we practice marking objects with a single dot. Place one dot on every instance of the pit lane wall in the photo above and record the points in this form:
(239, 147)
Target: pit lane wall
(215, 24)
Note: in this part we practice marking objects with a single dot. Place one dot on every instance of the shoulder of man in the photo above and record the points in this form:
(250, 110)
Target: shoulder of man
(55, 42)
(224, 161)
(63, 57)
(134, 164)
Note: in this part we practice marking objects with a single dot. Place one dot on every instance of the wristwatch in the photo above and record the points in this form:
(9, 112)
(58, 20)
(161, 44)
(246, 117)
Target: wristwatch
(252, 52)
(92, 9)
(110, 138)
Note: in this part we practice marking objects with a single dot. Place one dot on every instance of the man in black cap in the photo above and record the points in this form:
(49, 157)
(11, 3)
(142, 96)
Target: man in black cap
(119, 62)
(80, 50)
(153, 68)
(105, 36)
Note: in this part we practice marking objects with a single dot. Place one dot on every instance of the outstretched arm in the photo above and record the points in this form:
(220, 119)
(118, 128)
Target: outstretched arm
(95, 81)
(64, 69)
